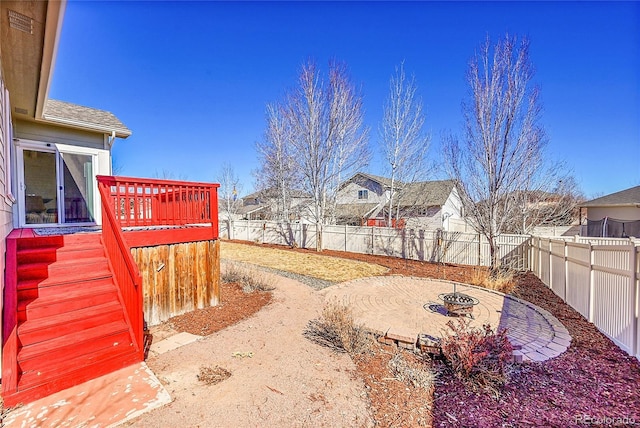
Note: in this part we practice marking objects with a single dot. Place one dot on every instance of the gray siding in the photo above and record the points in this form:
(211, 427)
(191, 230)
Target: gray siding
(53, 134)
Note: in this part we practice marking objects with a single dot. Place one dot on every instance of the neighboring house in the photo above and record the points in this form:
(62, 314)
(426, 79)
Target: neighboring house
(616, 215)
(264, 205)
(364, 199)
(542, 211)
(361, 198)
(74, 304)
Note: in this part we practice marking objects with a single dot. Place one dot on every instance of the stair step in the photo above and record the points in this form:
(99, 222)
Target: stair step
(33, 289)
(53, 254)
(59, 240)
(71, 325)
(35, 297)
(59, 349)
(39, 330)
(62, 269)
(70, 276)
(80, 299)
(47, 380)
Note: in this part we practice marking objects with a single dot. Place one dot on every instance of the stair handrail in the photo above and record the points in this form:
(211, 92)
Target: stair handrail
(126, 273)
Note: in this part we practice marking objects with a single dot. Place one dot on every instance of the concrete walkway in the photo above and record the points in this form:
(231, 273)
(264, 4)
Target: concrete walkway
(401, 308)
(107, 401)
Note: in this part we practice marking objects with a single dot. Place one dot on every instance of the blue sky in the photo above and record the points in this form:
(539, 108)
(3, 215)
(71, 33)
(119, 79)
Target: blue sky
(192, 79)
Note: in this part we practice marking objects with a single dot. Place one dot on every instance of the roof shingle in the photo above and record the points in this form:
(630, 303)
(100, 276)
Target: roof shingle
(85, 117)
(426, 193)
(628, 197)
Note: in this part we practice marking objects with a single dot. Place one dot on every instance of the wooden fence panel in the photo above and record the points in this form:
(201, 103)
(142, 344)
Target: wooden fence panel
(178, 278)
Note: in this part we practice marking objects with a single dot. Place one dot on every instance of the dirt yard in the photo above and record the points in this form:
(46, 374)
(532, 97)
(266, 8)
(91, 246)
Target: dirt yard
(279, 378)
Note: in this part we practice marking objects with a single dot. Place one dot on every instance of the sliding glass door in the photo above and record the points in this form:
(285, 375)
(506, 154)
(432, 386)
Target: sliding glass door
(40, 187)
(77, 186)
(57, 187)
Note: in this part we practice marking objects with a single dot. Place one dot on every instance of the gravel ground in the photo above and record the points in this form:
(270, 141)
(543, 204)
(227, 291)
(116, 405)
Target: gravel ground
(278, 378)
(315, 283)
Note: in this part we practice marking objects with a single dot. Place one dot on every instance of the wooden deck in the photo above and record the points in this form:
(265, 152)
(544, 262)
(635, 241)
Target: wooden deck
(73, 303)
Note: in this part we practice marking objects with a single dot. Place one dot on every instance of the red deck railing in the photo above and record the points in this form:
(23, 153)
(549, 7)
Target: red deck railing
(140, 202)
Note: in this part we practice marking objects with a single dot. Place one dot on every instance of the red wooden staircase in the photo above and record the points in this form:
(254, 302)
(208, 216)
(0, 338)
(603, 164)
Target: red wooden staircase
(70, 323)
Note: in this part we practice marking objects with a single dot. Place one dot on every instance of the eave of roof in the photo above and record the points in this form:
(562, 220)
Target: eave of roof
(85, 118)
(55, 15)
(624, 198)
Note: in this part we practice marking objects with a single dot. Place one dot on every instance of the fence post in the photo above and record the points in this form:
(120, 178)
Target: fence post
(550, 265)
(592, 287)
(566, 267)
(479, 249)
(373, 241)
(540, 253)
(345, 238)
(634, 296)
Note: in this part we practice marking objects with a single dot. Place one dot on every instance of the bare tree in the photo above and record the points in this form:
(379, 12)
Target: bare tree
(557, 207)
(277, 175)
(230, 187)
(350, 138)
(167, 174)
(404, 144)
(117, 167)
(327, 138)
(501, 153)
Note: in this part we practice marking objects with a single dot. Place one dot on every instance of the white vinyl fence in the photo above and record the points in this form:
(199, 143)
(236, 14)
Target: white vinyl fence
(432, 246)
(598, 278)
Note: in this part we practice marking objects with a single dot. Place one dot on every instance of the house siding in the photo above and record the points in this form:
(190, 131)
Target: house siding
(618, 213)
(48, 133)
(349, 194)
(453, 205)
(6, 217)
(102, 165)
(432, 221)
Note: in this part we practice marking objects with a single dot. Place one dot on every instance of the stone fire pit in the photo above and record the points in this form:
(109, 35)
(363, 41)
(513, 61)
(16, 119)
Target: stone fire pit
(458, 304)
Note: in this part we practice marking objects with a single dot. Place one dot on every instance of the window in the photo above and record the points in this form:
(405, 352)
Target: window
(363, 194)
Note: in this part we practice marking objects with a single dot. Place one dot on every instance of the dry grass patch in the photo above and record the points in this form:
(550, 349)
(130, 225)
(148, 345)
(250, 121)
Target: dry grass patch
(503, 281)
(251, 279)
(322, 267)
(412, 373)
(337, 330)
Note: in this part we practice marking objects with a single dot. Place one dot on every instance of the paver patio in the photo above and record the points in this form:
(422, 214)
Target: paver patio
(401, 308)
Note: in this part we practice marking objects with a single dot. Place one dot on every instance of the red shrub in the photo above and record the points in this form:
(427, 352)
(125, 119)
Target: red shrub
(480, 358)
